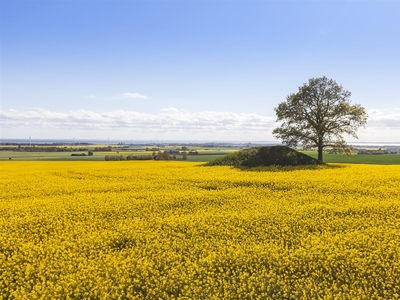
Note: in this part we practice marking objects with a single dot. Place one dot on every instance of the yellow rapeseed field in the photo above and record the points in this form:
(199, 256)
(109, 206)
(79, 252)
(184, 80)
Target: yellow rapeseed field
(176, 230)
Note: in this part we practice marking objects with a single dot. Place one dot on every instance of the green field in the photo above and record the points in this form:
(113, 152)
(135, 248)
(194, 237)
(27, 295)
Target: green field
(203, 156)
(380, 159)
(48, 156)
(97, 156)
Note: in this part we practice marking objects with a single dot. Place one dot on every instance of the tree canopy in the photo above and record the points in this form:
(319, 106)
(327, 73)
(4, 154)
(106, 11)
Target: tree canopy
(318, 116)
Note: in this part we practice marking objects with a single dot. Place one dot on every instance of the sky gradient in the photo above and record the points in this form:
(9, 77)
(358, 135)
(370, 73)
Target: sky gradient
(190, 70)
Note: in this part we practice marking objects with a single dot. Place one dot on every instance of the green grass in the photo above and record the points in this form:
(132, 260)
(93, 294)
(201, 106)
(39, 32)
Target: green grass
(383, 159)
(204, 158)
(47, 156)
(265, 156)
(380, 159)
(97, 156)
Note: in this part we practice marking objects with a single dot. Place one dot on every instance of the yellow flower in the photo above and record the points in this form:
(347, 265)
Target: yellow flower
(174, 230)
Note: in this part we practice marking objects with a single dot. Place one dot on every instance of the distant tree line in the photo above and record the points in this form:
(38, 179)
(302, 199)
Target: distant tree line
(156, 155)
(35, 148)
(90, 153)
(108, 148)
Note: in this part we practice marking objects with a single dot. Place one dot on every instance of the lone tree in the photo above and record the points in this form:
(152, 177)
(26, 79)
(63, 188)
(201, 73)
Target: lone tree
(318, 115)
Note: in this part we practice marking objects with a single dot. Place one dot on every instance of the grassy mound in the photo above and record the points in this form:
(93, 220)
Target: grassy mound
(265, 156)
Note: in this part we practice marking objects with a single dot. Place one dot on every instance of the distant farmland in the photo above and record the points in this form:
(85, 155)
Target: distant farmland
(204, 155)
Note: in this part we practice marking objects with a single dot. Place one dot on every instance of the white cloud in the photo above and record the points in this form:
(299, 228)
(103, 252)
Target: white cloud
(173, 123)
(382, 126)
(384, 118)
(90, 96)
(134, 96)
(168, 121)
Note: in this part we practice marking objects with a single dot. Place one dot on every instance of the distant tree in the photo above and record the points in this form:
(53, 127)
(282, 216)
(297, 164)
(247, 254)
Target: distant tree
(166, 155)
(90, 153)
(318, 115)
(184, 155)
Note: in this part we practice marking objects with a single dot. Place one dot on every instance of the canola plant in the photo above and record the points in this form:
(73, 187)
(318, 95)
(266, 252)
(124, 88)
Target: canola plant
(178, 230)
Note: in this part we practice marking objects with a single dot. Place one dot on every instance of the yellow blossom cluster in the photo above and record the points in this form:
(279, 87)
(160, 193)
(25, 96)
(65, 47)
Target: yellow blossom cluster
(178, 230)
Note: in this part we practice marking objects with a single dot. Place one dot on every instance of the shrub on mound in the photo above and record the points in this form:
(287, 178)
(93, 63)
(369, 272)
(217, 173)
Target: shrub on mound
(265, 156)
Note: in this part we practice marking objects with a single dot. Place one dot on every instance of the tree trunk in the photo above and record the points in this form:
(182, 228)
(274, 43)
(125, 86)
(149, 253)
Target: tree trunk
(320, 152)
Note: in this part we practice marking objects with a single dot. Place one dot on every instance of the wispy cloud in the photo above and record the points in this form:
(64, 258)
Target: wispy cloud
(90, 96)
(173, 122)
(384, 118)
(382, 126)
(134, 96)
(167, 120)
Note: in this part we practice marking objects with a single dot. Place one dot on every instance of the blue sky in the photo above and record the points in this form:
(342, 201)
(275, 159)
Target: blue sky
(190, 70)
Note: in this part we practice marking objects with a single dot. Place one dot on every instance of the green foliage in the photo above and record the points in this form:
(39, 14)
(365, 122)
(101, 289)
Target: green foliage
(114, 157)
(163, 155)
(318, 116)
(184, 155)
(78, 154)
(139, 157)
(265, 156)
